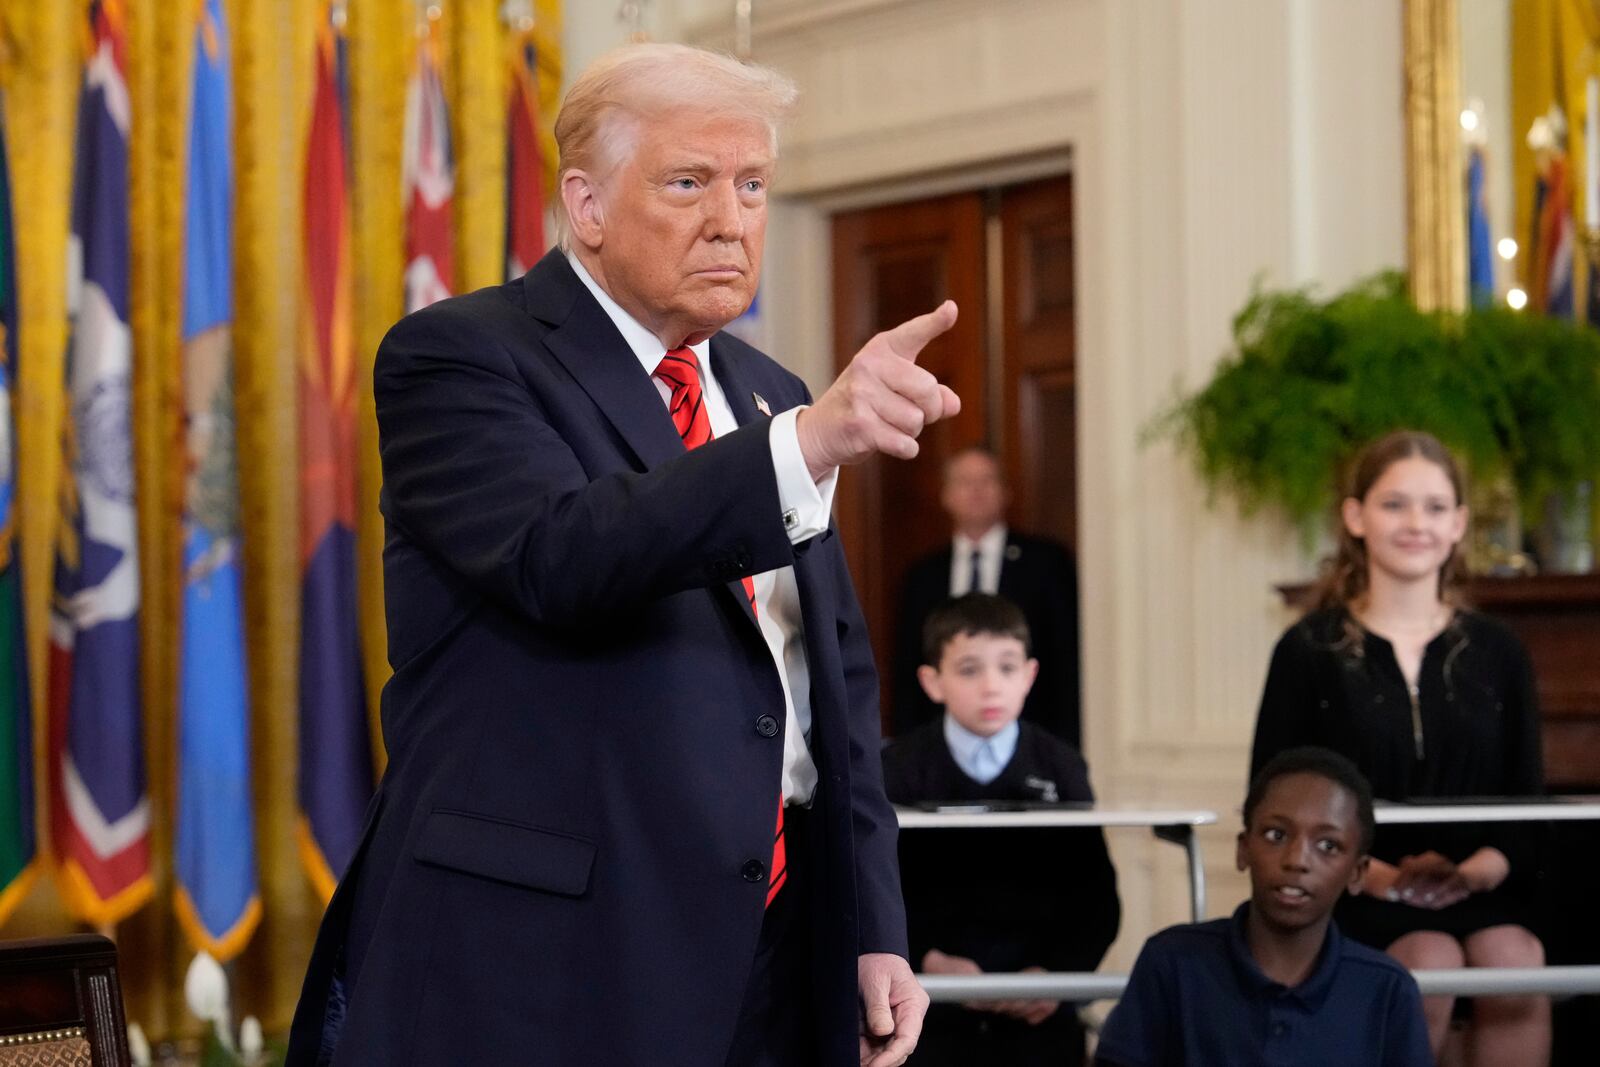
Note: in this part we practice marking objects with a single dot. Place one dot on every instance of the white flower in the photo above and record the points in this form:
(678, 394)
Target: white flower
(138, 1046)
(250, 1040)
(206, 989)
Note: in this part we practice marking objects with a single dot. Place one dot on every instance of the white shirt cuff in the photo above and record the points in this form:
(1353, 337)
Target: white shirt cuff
(806, 504)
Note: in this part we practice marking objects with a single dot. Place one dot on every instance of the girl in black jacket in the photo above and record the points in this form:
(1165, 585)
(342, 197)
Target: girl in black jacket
(1429, 699)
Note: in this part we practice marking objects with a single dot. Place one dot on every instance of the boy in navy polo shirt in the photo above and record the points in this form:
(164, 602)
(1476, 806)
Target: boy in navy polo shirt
(1277, 984)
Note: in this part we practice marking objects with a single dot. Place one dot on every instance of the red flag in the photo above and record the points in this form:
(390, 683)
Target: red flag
(429, 168)
(524, 164)
(335, 743)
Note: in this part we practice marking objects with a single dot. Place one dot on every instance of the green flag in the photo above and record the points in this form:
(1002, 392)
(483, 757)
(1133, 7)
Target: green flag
(17, 844)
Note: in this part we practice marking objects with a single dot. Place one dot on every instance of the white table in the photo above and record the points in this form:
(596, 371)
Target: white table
(1176, 825)
(1540, 809)
(1081, 988)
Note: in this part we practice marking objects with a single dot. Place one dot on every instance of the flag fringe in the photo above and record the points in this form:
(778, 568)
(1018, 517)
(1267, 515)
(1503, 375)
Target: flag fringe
(86, 903)
(225, 946)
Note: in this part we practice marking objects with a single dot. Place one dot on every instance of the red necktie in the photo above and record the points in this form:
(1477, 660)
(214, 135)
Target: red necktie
(680, 370)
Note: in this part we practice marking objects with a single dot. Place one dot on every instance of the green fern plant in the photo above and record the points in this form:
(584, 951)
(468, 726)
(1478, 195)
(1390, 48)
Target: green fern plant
(1309, 382)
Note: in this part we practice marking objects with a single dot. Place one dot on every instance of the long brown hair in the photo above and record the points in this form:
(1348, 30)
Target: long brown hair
(1344, 575)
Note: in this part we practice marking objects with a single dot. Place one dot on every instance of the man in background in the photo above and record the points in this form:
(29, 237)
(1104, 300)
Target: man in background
(985, 556)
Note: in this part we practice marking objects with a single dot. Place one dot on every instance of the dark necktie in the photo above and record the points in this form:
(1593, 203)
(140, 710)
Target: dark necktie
(975, 585)
(680, 370)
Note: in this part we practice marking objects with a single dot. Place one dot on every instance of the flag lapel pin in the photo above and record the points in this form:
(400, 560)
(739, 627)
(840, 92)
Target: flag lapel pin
(761, 404)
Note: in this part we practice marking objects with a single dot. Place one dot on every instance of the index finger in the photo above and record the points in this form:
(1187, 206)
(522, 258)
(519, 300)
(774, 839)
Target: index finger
(908, 339)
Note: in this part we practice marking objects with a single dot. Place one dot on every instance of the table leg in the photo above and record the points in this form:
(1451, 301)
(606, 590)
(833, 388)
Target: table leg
(1185, 835)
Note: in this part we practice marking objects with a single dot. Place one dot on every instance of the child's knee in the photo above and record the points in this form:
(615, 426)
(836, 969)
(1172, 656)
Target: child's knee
(1428, 950)
(1504, 946)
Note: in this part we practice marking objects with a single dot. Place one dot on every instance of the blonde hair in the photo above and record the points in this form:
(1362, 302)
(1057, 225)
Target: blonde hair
(599, 121)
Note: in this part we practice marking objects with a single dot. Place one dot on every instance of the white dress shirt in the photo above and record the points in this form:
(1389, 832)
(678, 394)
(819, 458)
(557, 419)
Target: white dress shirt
(991, 547)
(777, 595)
(981, 758)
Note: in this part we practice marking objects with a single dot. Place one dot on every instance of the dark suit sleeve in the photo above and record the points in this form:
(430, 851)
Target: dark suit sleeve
(901, 783)
(1287, 700)
(876, 830)
(478, 474)
(1081, 930)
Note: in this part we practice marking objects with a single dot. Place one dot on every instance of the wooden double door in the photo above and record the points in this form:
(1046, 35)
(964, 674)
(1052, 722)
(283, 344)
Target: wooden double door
(1006, 257)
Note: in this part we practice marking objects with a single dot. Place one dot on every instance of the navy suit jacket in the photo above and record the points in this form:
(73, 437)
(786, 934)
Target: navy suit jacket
(554, 868)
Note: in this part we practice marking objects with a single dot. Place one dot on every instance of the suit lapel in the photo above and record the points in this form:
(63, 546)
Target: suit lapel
(726, 366)
(732, 376)
(588, 345)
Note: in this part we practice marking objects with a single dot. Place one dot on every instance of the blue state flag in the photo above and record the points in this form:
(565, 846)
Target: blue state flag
(217, 899)
(1480, 246)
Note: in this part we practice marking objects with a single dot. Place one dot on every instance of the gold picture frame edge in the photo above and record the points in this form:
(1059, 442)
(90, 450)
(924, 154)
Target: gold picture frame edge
(1435, 201)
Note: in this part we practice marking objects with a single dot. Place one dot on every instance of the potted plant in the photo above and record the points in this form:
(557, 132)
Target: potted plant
(1309, 382)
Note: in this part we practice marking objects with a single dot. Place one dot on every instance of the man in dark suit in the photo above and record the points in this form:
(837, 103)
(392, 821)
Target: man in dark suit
(985, 556)
(625, 643)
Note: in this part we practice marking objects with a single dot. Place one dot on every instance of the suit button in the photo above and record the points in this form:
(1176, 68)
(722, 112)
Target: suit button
(754, 871)
(767, 726)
